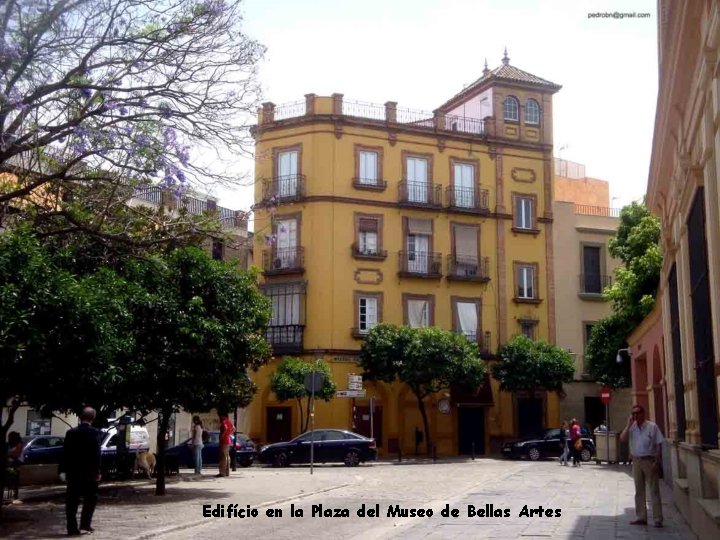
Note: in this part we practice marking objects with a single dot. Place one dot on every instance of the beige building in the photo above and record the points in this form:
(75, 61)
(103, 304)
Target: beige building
(584, 222)
(683, 190)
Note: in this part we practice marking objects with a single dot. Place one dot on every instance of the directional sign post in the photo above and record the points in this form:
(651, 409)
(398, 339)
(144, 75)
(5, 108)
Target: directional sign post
(350, 393)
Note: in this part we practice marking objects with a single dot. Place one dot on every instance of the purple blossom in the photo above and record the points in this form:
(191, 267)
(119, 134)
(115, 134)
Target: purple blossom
(180, 175)
(123, 111)
(183, 155)
(165, 110)
(86, 92)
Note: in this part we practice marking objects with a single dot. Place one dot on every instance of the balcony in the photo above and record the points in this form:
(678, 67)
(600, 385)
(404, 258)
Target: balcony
(471, 200)
(481, 338)
(468, 268)
(284, 189)
(420, 264)
(593, 285)
(368, 254)
(358, 333)
(286, 339)
(283, 261)
(369, 185)
(420, 195)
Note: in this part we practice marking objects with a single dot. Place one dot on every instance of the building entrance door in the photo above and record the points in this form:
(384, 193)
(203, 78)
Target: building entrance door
(362, 423)
(279, 424)
(530, 416)
(471, 430)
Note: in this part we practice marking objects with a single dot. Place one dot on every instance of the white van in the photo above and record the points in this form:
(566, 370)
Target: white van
(139, 440)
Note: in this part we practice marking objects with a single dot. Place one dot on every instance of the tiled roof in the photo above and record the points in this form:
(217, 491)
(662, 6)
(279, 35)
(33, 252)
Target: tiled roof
(504, 73)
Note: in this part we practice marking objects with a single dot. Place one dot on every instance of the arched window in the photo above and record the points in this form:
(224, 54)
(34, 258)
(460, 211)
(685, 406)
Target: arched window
(532, 112)
(511, 109)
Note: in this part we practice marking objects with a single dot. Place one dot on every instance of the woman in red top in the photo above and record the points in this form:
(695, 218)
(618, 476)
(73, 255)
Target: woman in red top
(575, 441)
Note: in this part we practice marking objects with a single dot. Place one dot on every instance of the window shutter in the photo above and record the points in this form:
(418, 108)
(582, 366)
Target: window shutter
(368, 225)
(466, 243)
(419, 226)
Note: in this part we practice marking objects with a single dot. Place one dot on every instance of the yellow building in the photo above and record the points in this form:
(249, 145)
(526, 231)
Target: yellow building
(683, 190)
(373, 213)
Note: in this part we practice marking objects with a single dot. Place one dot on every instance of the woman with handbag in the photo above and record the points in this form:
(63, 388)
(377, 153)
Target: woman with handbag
(575, 441)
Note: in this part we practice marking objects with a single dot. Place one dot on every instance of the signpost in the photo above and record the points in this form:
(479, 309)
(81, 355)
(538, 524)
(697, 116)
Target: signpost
(313, 380)
(350, 393)
(605, 393)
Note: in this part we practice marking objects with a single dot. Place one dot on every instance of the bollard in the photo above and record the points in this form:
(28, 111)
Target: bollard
(434, 453)
(473, 451)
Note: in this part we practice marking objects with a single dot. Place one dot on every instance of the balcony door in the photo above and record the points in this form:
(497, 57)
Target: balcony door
(463, 185)
(286, 244)
(418, 248)
(417, 180)
(287, 173)
(591, 268)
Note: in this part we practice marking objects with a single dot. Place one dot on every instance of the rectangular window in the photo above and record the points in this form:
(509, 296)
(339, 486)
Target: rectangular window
(465, 249)
(466, 317)
(37, 424)
(287, 301)
(417, 311)
(525, 281)
(592, 277)
(527, 328)
(524, 218)
(587, 332)
(286, 244)
(463, 185)
(367, 314)
(368, 243)
(368, 167)
(418, 245)
(287, 171)
(218, 250)
(417, 179)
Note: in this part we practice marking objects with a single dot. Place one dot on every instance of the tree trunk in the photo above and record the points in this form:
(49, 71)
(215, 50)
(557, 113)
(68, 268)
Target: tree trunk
(4, 428)
(302, 415)
(426, 425)
(160, 465)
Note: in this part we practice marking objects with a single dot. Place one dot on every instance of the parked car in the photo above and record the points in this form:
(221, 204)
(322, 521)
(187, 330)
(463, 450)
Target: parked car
(543, 445)
(42, 449)
(182, 455)
(331, 445)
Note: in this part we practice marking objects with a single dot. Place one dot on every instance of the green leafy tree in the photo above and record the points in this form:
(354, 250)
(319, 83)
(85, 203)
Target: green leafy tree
(428, 360)
(288, 382)
(632, 295)
(533, 365)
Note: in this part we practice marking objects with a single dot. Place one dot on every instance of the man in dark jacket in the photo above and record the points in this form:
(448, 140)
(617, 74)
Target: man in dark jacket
(81, 465)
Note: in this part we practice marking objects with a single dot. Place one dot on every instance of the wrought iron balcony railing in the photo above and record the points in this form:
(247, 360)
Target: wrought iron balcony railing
(283, 261)
(468, 268)
(468, 199)
(284, 188)
(481, 338)
(594, 283)
(366, 253)
(286, 338)
(420, 194)
(420, 264)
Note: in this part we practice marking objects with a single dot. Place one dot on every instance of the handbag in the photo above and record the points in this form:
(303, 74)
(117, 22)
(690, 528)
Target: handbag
(578, 444)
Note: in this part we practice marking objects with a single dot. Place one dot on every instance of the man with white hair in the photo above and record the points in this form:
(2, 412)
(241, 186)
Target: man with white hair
(81, 465)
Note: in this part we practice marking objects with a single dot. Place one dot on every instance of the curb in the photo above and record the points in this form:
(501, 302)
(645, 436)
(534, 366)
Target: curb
(175, 528)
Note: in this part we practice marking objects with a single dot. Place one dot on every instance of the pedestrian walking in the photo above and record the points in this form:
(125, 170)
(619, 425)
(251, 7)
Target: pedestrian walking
(575, 441)
(564, 443)
(197, 443)
(226, 431)
(81, 466)
(646, 451)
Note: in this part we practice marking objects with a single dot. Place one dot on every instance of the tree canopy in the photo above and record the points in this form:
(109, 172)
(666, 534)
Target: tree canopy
(99, 97)
(632, 294)
(428, 360)
(288, 382)
(533, 365)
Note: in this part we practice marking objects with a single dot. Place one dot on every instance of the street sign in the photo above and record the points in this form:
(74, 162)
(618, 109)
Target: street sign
(354, 379)
(355, 386)
(350, 393)
(605, 395)
(313, 381)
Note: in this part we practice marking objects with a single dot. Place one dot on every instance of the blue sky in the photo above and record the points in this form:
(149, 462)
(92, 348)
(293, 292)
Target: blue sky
(421, 52)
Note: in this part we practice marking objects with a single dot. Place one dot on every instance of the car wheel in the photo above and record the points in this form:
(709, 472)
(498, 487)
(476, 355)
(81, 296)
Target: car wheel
(534, 454)
(585, 454)
(245, 462)
(352, 458)
(281, 460)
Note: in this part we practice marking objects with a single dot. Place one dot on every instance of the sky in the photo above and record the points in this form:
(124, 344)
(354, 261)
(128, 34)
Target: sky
(422, 52)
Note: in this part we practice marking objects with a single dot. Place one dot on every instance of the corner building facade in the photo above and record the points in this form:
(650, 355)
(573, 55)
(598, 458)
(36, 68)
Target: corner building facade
(372, 213)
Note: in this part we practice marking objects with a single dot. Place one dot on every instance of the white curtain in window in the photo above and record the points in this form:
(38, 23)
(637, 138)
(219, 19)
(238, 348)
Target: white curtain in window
(464, 192)
(368, 242)
(287, 173)
(286, 245)
(467, 317)
(466, 241)
(285, 310)
(417, 177)
(368, 168)
(417, 313)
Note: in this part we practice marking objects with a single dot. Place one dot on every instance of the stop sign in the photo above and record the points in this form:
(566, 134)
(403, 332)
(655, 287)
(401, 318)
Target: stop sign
(605, 395)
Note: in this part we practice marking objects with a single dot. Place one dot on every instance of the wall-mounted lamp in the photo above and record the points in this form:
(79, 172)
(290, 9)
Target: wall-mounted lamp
(619, 358)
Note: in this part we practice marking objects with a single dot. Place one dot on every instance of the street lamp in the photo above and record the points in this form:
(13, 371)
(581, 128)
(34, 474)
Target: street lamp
(619, 358)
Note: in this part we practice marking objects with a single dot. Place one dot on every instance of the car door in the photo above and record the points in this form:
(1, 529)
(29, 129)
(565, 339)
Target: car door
(211, 449)
(334, 446)
(551, 444)
(301, 450)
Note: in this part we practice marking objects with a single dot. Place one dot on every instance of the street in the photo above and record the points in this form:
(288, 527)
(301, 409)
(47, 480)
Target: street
(593, 501)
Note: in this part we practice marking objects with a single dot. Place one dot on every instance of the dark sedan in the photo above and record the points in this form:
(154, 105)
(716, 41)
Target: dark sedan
(544, 445)
(42, 449)
(182, 455)
(331, 446)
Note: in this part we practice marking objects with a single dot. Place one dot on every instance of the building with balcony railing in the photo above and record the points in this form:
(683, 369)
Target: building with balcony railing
(373, 213)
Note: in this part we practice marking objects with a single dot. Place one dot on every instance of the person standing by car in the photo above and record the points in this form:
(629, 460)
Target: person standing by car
(575, 441)
(564, 443)
(197, 443)
(15, 449)
(81, 465)
(646, 451)
(226, 430)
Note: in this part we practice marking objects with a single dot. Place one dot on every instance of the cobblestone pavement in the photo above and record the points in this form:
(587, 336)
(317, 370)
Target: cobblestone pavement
(596, 501)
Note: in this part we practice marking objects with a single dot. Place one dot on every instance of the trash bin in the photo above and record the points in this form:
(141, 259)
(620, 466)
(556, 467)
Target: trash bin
(606, 446)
